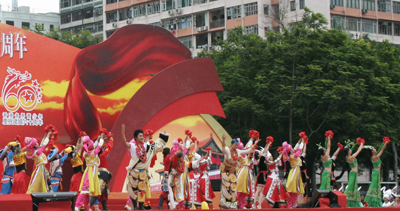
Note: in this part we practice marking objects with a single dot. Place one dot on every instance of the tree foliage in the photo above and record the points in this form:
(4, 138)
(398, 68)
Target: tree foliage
(80, 40)
(309, 78)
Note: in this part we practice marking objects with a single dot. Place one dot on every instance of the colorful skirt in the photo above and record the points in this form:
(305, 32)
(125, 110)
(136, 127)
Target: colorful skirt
(90, 182)
(38, 183)
(325, 180)
(21, 182)
(75, 182)
(203, 191)
(352, 194)
(294, 182)
(228, 198)
(274, 191)
(374, 194)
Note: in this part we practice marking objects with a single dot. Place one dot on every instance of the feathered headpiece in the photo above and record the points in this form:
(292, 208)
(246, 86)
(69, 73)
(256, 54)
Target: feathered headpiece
(320, 146)
(368, 147)
(349, 144)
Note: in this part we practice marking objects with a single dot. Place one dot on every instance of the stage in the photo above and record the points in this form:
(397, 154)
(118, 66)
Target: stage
(116, 201)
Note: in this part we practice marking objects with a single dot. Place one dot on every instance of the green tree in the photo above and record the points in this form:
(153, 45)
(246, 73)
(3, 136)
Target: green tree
(82, 39)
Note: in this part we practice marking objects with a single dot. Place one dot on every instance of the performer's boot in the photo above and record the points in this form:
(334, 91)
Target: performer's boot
(141, 206)
(134, 203)
(104, 203)
(161, 203)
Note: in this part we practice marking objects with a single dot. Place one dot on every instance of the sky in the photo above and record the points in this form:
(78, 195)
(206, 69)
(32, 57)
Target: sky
(37, 6)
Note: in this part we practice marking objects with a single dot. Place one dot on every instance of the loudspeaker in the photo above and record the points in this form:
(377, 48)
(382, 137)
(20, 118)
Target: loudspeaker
(318, 194)
(337, 199)
(52, 197)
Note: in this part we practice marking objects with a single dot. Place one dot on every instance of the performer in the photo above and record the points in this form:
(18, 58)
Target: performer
(38, 181)
(142, 153)
(351, 192)
(274, 192)
(164, 182)
(77, 163)
(228, 169)
(104, 175)
(294, 184)
(204, 192)
(21, 179)
(6, 156)
(374, 194)
(262, 174)
(303, 167)
(56, 161)
(90, 185)
(175, 179)
(327, 160)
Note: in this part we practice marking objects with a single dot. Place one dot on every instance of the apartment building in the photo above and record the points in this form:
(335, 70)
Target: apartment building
(196, 23)
(77, 15)
(22, 17)
(380, 19)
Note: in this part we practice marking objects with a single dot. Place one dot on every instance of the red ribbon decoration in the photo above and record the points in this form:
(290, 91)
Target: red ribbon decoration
(386, 139)
(360, 140)
(340, 145)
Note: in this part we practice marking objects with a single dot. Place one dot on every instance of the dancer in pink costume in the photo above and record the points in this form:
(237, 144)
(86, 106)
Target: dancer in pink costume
(90, 185)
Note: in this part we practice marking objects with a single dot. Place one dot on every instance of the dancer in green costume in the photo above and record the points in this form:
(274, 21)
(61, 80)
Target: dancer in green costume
(327, 160)
(374, 194)
(352, 194)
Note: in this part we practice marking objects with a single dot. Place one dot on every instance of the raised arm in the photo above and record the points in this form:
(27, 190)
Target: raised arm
(335, 154)
(128, 145)
(380, 151)
(63, 158)
(328, 146)
(223, 141)
(79, 145)
(358, 151)
(44, 144)
(248, 151)
(266, 148)
(101, 142)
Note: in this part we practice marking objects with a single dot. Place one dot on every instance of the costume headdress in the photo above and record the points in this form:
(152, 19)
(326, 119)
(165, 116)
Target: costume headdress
(320, 146)
(348, 144)
(286, 150)
(53, 153)
(30, 143)
(87, 143)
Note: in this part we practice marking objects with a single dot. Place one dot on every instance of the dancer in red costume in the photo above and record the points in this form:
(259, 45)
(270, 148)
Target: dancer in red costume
(274, 191)
(164, 182)
(204, 193)
(21, 179)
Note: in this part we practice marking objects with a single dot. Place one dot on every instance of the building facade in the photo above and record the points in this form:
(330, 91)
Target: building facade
(78, 15)
(22, 17)
(198, 23)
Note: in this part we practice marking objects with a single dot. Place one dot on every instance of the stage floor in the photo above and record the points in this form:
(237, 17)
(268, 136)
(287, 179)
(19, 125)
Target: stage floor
(116, 201)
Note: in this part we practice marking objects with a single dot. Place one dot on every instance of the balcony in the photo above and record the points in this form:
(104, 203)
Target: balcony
(217, 23)
(196, 2)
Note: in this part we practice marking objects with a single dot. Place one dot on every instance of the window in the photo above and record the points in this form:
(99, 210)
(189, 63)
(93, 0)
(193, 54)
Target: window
(139, 11)
(98, 27)
(196, 2)
(292, 5)
(396, 7)
(337, 2)
(110, 2)
(167, 5)
(234, 12)
(353, 24)
(65, 18)
(125, 13)
(88, 13)
(156, 24)
(153, 7)
(369, 5)
(302, 4)
(266, 30)
(77, 15)
(111, 17)
(170, 24)
(216, 36)
(253, 29)
(199, 20)
(337, 22)
(184, 3)
(51, 27)
(65, 3)
(98, 11)
(26, 25)
(396, 29)
(186, 41)
(369, 26)
(266, 9)
(385, 28)
(75, 2)
(276, 13)
(353, 3)
(185, 22)
(202, 40)
(276, 29)
(384, 6)
(250, 9)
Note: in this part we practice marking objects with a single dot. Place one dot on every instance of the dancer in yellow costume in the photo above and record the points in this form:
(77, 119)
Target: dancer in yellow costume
(90, 185)
(38, 182)
(294, 184)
